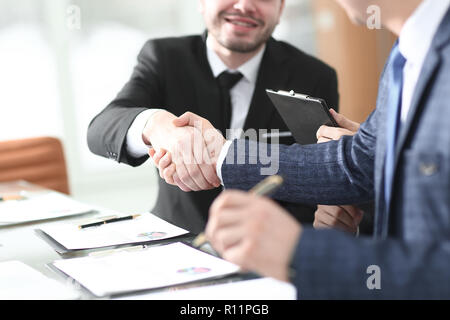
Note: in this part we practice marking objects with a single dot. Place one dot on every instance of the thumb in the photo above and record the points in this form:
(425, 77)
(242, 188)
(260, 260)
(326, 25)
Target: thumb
(186, 119)
(151, 152)
(343, 122)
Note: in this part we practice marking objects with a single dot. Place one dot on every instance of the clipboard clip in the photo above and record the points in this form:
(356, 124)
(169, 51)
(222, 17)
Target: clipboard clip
(291, 93)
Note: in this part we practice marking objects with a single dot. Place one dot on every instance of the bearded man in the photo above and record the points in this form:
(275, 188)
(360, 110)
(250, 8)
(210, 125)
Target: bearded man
(221, 76)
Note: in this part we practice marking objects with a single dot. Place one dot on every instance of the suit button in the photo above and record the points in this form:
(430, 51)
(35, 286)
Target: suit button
(428, 169)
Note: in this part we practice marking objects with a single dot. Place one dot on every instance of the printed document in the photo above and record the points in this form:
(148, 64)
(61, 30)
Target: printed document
(146, 227)
(150, 268)
(18, 281)
(41, 206)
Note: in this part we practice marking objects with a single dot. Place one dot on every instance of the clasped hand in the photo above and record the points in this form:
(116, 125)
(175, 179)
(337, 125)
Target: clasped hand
(185, 150)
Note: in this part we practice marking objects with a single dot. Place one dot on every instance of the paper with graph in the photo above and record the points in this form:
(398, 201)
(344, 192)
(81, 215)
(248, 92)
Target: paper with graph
(150, 268)
(147, 227)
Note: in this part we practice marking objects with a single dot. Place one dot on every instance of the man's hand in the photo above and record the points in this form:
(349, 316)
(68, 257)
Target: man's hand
(346, 218)
(347, 128)
(253, 232)
(208, 142)
(213, 138)
(187, 148)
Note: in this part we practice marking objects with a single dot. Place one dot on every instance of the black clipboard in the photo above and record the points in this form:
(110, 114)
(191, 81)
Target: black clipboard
(303, 114)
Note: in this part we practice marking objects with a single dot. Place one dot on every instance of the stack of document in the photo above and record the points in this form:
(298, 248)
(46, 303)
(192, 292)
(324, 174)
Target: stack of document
(255, 289)
(21, 282)
(40, 206)
(145, 228)
(155, 267)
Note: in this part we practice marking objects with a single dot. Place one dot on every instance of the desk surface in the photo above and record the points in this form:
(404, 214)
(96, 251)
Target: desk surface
(22, 243)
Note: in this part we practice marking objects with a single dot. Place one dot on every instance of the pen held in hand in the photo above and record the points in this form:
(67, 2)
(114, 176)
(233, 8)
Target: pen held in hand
(264, 188)
(99, 223)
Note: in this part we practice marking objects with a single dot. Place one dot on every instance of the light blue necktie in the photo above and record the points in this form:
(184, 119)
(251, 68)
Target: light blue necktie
(396, 65)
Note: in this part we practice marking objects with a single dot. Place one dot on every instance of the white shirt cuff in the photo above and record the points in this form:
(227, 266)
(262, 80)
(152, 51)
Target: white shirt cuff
(135, 145)
(221, 159)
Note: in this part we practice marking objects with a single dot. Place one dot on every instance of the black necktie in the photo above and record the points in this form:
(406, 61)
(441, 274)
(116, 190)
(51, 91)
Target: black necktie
(227, 81)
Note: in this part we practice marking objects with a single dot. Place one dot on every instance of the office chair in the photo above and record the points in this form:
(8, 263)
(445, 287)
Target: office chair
(36, 160)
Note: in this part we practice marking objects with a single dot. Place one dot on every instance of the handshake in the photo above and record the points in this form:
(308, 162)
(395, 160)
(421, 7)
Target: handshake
(185, 149)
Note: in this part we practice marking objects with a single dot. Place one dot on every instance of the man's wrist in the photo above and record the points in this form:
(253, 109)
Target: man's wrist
(136, 146)
(150, 126)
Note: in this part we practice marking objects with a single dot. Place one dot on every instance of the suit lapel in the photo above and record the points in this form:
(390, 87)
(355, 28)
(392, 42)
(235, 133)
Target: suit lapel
(383, 92)
(431, 64)
(270, 76)
(418, 102)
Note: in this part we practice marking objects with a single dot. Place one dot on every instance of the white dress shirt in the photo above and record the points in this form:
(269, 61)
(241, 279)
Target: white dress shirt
(242, 93)
(415, 42)
(241, 96)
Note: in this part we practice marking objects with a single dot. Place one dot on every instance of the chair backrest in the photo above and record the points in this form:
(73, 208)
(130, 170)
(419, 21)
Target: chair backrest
(37, 160)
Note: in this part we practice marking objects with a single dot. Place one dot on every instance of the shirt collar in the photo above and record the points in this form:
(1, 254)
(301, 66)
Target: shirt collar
(419, 30)
(249, 69)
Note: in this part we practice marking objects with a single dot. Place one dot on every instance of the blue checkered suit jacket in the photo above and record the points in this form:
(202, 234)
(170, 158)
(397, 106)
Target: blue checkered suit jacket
(411, 242)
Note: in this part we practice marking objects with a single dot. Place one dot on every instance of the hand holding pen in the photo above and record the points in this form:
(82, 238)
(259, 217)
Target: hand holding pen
(253, 232)
(263, 188)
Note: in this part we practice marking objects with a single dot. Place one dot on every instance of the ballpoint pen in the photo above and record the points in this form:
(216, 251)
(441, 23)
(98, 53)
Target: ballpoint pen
(263, 188)
(99, 223)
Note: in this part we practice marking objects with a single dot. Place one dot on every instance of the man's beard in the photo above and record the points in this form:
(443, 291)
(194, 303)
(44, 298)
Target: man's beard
(244, 46)
(237, 45)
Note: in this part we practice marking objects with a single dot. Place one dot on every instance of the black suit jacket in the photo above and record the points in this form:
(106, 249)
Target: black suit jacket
(174, 74)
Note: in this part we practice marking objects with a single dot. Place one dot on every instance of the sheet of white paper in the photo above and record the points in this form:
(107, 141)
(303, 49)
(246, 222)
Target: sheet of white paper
(150, 268)
(21, 282)
(257, 289)
(39, 207)
(147, 227)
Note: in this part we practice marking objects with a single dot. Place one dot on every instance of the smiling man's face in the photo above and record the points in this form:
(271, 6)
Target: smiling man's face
(241, 25)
